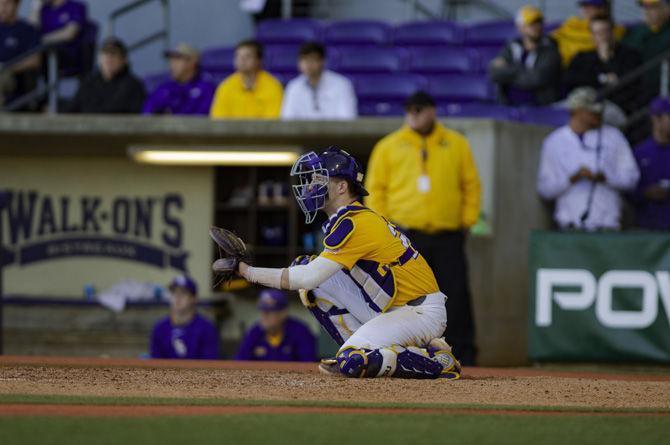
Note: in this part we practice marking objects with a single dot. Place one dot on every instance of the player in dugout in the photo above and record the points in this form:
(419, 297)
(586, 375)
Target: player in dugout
(370, 289)
(184, 334)
(277, 336)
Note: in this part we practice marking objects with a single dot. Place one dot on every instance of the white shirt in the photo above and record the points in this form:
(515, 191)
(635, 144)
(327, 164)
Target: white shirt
(563, 154)
(333, 98)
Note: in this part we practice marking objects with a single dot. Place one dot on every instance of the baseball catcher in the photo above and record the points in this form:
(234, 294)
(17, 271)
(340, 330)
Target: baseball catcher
(370, 289)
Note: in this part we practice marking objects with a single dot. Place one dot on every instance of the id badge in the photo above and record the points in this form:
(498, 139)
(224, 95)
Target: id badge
(423, 184)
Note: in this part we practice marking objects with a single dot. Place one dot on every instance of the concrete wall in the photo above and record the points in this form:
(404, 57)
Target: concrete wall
(506, 151)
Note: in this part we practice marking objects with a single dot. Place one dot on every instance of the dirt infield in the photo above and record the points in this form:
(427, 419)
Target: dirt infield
(239, 381)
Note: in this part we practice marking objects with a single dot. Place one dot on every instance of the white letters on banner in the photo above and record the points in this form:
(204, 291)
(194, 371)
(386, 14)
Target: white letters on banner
(653, 287)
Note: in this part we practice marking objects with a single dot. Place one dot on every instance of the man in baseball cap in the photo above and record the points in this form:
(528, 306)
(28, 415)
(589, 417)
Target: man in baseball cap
(586, 189)
(277, 336)
(187, 93)
(652, 196)
(574, 35)
(528, 69)
(184, 334)
(113, 88)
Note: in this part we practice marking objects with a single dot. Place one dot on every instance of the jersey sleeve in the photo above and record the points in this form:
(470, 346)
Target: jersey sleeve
(347, 242)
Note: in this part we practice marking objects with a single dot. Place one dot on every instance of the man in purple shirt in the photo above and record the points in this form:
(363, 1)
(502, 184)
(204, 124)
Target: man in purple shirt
(652, 196)
(277, 337)
(187, 92)
(184, 334)
(62, 22)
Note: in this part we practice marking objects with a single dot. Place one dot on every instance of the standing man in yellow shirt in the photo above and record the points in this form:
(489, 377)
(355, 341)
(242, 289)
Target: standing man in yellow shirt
(423, 178)
(250, 93)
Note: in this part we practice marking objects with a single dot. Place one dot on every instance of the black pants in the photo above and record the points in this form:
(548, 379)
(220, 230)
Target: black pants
(445, 253)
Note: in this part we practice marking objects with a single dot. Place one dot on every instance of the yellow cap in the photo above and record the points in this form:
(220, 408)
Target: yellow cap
(651, 2)
(528, 14)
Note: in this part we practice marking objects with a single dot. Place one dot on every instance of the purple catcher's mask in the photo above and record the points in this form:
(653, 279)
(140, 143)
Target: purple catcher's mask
(312, 188)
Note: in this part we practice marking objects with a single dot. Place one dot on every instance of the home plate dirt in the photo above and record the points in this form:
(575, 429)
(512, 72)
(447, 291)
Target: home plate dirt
(301, 382)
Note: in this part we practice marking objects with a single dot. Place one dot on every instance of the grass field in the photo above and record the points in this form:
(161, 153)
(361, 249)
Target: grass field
(57, 404)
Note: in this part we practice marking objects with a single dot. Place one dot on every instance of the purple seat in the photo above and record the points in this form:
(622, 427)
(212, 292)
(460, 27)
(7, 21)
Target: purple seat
(152, 81)
(216, 77)
(281, 58)
(285, 77)
(369, 60)
(218, 59)
(396, 86)
(428, 33)
(443, 60)
(490, 33)
(381, 108)
(288, 31)
(461, 88)
(486, 54)
(367, 32)
(553, 117)
(475, 110)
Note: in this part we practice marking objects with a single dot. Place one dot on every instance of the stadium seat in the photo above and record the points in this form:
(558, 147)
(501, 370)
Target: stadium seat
(152, 81)
(285, 77)
(553, 117)
(216, 77)
(281, 58)
(443, 60)
(294, 31)
(387, 86)
(368, 59)
(475, 110)
(486, 54)
(218, 59)
(381, 108)
(427, 33)
(490, 33)
(366, 32)
(461, 88)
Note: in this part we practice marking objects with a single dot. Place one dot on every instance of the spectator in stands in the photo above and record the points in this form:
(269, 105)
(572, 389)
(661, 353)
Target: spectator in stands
(16, 37)
(605, 65)
(277, 336)
(574, 35)
(423, 178)
(584, 166)
(113, 89)
(651, 39)
(184, 334)
(528, 70)
(187, 92)
(62, 22)
(652, 196)
(250, 93)
(318, 93)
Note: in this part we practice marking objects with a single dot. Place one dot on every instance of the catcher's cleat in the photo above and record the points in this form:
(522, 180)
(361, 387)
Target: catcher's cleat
(440, 351)
(329, 366)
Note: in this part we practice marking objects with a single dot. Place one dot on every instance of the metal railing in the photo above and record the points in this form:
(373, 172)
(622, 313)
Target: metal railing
(48, 89)
(660, 62)
(450, 9)
(163, 33)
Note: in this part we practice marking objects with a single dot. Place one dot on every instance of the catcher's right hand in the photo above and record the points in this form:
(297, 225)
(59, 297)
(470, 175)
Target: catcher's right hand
(231, 249)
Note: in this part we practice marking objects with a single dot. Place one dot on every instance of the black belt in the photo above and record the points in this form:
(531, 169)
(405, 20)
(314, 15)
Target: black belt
(417, 301)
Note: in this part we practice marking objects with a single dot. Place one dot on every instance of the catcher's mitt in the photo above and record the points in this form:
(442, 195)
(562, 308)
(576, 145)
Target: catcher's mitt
(232, 250)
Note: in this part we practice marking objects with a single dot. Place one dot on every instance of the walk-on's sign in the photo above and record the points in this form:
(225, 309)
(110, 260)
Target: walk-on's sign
(72, 222)
(599, 297)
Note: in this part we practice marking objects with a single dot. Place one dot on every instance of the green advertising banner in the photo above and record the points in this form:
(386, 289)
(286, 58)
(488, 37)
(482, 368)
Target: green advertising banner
(599, 297)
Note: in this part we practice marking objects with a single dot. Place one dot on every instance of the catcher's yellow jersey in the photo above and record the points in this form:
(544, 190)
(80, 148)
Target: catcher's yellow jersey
(378, 257)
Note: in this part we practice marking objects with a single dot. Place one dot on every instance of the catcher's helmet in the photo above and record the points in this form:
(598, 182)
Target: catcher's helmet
(314, 172)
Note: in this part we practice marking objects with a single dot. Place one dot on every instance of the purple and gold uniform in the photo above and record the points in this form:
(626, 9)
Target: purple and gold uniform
(378, 257)
(198, 339)
(295, 344)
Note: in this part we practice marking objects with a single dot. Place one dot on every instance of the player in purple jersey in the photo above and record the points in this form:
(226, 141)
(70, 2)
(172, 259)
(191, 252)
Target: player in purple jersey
(62, 22)
(277, 337)
(184, 334)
